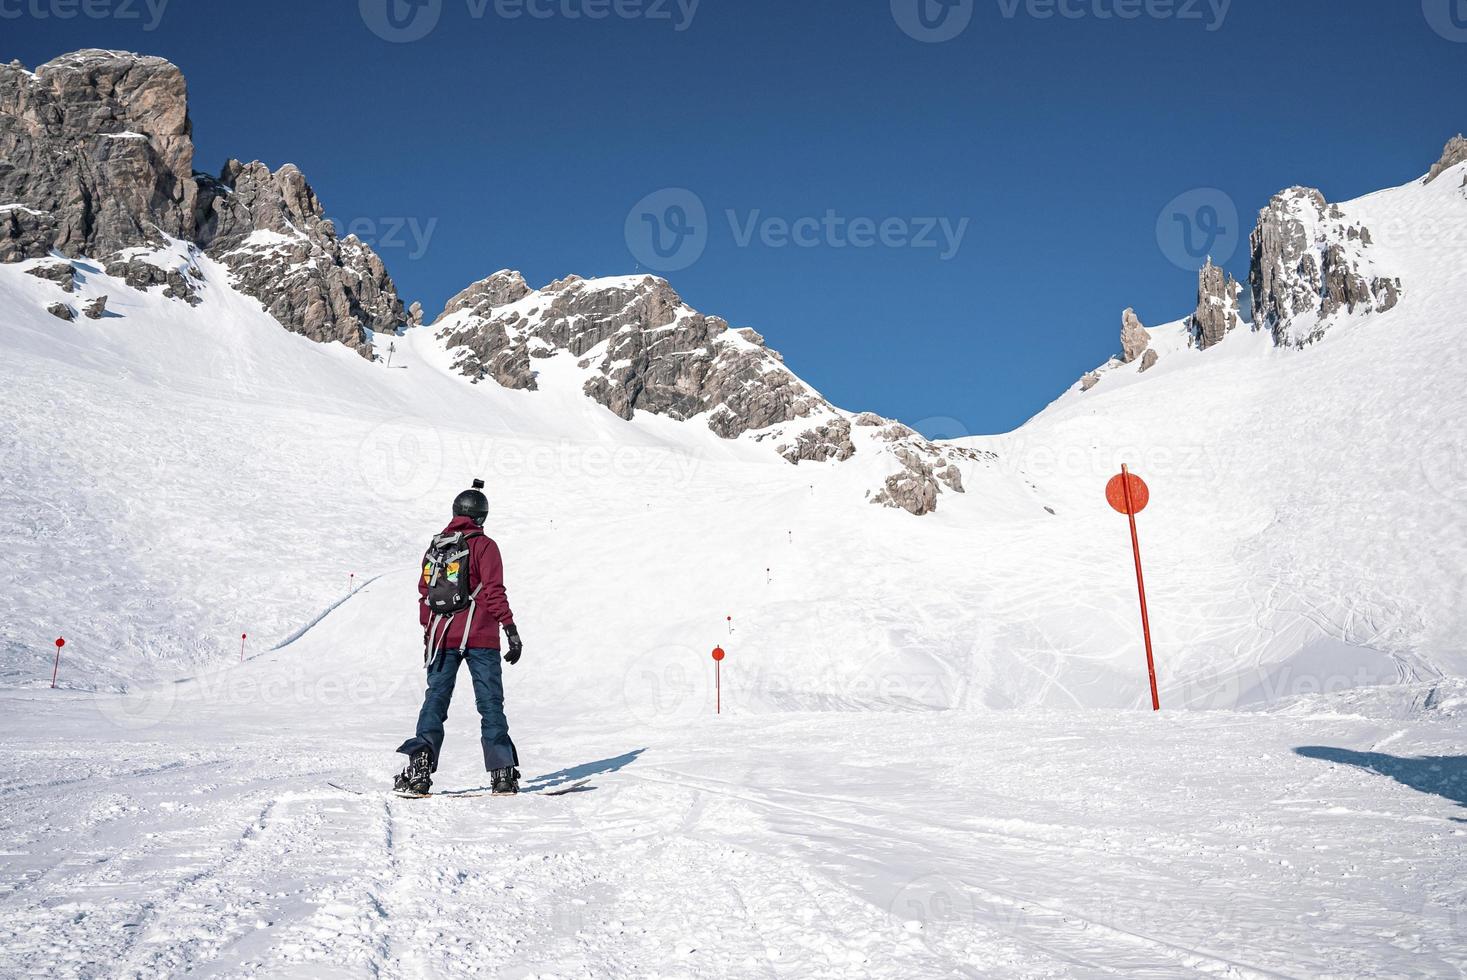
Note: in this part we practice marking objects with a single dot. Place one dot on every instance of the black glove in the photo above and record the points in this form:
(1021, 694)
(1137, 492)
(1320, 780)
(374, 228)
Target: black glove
(516, 646)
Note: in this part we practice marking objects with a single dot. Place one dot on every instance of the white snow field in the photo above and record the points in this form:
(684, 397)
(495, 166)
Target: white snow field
(935, 756)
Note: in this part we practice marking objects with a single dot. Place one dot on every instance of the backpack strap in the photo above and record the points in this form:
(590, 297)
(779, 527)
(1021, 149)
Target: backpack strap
(469, 623)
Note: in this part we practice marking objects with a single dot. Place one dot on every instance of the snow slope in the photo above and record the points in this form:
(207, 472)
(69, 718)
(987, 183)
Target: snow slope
(172, 477)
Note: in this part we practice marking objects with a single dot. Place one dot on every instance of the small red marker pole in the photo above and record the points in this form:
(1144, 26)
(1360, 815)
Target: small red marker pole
(60, 642)
(1129, 494)
(242, 637)
(718, 656)
(351, 583)
(730, 626)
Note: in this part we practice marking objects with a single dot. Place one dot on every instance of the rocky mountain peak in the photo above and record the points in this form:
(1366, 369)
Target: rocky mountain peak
(96, 161)
(504, 287)
(1454, 154)
(1218, 312)
(98, 146)
(1311, 264)
(636, 346)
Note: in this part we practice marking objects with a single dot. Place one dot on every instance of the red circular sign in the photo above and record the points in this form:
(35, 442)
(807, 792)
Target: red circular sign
(718, 653)
(1115, 493)
(60, 643)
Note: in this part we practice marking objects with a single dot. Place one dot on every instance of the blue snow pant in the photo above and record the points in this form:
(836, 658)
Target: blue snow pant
(485, 671)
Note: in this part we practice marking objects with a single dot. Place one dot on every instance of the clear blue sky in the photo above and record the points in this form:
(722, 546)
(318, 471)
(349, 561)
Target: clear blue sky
(526, 141)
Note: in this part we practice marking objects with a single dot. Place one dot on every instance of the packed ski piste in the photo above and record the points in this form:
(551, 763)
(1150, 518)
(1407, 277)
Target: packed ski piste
(930, 747)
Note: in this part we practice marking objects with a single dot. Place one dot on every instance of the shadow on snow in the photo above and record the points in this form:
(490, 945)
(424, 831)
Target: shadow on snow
(1439, 775)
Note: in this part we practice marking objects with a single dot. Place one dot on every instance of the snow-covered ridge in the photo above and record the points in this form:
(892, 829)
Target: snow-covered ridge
(631, 344)
(1315, 265)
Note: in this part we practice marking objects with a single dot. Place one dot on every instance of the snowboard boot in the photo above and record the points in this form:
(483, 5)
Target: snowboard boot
(505, 782)
(417, 776)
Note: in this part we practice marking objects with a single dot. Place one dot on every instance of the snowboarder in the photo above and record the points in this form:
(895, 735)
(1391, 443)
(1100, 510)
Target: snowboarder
(462, 606)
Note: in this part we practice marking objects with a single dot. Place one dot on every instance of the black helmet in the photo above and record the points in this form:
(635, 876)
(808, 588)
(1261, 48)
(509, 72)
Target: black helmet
(472, 504)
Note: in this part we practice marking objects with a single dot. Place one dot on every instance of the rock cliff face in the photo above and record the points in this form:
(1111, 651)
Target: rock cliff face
(1134, 338)
(635, 346)
(96, 161)
(1309, 265)
(270, 230)
(97, 146)
(642, 347)
(1454, 154)
(1217, 313)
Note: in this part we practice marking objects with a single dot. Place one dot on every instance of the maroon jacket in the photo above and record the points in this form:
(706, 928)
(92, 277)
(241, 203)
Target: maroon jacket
(491, 607)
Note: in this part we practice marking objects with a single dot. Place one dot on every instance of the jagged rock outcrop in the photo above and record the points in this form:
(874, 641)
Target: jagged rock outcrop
(1309, 263)
(60, 273)
(143, 275)
(823, 442)
(96, 161)
(1090, 381)
(24, 232)
(1148, 361)
(1454, 154)
(643, 350)
(925, 468)
(1134, 338)
(99, 146)
(96, 309)
(640, 348)
(1218, 311)
(272, 233)
(62, 311)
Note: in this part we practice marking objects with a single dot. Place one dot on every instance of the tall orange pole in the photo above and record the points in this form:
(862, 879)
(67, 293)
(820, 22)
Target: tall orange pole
(1141, 588)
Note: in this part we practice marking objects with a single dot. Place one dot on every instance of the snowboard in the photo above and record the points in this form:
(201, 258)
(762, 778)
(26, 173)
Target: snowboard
(553, 791)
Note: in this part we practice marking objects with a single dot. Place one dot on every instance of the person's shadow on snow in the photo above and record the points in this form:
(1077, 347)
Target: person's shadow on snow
(584, 771)
(1439, 775)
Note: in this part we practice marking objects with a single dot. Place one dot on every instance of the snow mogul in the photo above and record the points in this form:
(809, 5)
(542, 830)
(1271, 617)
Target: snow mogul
(462, 606)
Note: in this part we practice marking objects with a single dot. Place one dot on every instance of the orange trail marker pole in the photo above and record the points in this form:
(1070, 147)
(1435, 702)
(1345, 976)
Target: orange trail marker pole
(718, 656)
(1129, 494)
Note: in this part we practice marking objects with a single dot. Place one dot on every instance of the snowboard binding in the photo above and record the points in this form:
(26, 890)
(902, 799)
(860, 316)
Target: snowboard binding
(416, 778)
